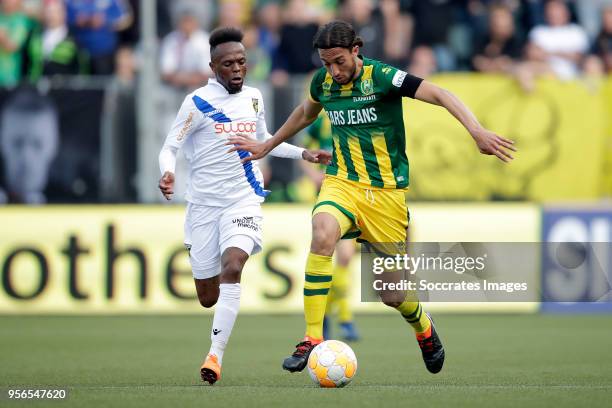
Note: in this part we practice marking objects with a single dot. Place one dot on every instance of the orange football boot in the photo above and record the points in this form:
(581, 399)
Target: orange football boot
(210, 370)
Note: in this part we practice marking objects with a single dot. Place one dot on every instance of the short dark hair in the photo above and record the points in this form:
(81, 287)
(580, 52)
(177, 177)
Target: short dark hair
(336, 34)
(224, 35)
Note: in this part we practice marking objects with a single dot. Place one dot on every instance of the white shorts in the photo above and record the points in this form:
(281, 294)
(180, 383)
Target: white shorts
(209, 231)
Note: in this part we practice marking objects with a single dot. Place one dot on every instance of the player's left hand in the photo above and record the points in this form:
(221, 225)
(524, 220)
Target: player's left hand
(492, 144)
(317, 156)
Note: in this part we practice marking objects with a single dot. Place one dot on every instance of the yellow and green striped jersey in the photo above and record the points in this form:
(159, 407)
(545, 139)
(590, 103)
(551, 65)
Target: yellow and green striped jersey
(369, 145)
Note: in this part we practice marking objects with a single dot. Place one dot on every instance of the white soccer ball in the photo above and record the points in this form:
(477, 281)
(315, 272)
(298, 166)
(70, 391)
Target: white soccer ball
(331, 364)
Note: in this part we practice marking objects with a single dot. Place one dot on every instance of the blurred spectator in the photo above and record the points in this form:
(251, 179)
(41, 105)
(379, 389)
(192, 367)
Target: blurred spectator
(433, 20)
(235, 13)
(130, 35)
(500, 48)
(33, 8)
(422, 62)
(258, 59)
(94, 25)
(232, 14)
(295, 54)
(593, 72)
(603, 43)
(368, 25)
(125, 66)
(28, 149)
(51, 50)
(533, 13)
(185, 54)
(589, 15)
(203, 10)
(479, 12)
(384, 31)
(119, 131)
(398, 32)
(269, 24)
(14, 27)
(324, 10)
(558, 46)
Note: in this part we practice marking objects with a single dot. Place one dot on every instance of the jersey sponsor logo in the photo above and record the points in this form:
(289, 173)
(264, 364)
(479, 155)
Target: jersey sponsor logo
(210, 111)
(352, 117)
(236, 127)
(368, 98)
(367, 87)
(246, 222)
(213, 113)
(386, 70)
(255, 104)
(398, 78)
(186, 127)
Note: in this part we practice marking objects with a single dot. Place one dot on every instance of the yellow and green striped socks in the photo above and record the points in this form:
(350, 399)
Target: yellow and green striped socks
(340, 293)
(412, 312)
(317, 282)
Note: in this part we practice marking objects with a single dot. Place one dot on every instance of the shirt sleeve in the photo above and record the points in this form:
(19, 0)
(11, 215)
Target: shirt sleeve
(315, 84)
(397, 82)
(187, 119)
(286, 150)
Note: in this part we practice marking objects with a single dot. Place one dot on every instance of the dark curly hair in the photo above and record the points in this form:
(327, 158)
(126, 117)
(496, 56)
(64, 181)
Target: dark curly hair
(336, 34)
(224, 35)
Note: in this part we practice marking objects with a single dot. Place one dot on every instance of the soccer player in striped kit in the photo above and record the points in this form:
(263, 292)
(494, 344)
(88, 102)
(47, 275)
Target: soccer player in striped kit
(363, 194)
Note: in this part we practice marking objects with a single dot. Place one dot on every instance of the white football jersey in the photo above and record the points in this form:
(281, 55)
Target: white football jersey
(207, 117)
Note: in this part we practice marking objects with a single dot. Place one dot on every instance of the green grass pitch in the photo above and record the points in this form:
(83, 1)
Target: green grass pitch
(134, 361)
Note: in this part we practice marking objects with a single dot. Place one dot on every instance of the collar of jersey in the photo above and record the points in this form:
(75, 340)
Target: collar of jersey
(214, 82)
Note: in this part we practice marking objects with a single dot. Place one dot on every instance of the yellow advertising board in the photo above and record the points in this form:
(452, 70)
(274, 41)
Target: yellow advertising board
(607, 147)
(130, 259)
(562, 132)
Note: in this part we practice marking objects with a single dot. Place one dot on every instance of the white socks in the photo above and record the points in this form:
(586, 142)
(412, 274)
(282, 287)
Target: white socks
(226, 311)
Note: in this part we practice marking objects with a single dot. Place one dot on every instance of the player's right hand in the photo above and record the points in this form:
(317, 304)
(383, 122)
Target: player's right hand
(166, 185)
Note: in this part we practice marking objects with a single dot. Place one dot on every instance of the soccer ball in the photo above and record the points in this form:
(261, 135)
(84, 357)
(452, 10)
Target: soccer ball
(331, 364)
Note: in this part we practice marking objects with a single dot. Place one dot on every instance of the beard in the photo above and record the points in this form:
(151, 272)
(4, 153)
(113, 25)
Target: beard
(233, 88)
(351, 76)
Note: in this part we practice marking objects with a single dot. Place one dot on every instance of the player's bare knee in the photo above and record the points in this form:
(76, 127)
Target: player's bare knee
(207, 301)
(323, 239)
(231, 271)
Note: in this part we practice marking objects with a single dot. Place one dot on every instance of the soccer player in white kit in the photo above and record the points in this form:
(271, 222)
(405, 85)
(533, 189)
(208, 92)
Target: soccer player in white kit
(223, 219)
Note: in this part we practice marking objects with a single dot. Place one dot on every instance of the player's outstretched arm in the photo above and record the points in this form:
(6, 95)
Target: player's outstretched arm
(488, 142)
(302, 116)
(289, 151)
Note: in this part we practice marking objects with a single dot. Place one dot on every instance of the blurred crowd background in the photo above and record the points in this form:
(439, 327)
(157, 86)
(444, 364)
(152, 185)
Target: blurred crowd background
(89, 88)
